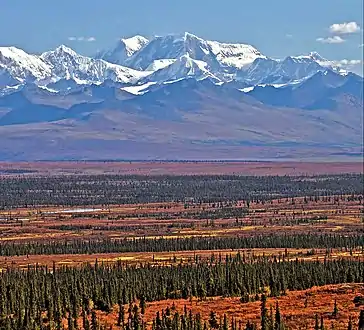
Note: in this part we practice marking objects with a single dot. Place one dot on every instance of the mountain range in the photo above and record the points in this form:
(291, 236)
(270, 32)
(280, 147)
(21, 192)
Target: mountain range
(177, 97)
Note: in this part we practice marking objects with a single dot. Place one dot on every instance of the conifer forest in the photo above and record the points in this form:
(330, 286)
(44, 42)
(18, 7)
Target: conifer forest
(181, 252)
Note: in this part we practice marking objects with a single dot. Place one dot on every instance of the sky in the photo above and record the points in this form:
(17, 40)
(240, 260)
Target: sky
(333, 28)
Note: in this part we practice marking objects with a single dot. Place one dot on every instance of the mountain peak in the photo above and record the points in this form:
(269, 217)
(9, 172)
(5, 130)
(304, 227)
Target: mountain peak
(312, 56)
(188, 35)
(183, 67)
(17, 67)
(136, 38)
(11, 51)
(133, 44)
(125, 48)
(9, 54)
(60, 51)
(316, 56)
(218, 55)
(64, 49)
(163, 58)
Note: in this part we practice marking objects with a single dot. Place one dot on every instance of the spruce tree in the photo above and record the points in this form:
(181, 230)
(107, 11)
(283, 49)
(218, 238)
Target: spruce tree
(142, 304)
(94, 323)
(264, 313)
(70, 322)
(277, 321)
(85, 321)
(214, 324)
(317, 326)
(225, 325)
(350, 323)
(361, 320)
(121, 315)
(336, 310)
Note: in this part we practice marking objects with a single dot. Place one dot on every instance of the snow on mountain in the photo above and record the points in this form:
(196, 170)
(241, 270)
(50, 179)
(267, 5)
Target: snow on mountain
(160, 64)
(323, 90)
(217, 55)
(183, 67)
(123, 50)
(138, 89)
(288, 70)
(67, 64)
(162, 59)
(316, 57)
(234, 55)
(16, 66)
(10, 90)
(134, 44)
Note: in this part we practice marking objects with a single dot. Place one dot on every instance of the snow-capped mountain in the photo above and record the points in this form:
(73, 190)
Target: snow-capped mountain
(269, 71)
(67, 64)
(137, 60)
(218, 56)
(123, 50)
(176, 97)
(181, 68)
(16, 67)
(324, 90)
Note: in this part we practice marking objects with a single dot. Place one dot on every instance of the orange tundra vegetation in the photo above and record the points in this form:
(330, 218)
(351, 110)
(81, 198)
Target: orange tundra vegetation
(298, 308)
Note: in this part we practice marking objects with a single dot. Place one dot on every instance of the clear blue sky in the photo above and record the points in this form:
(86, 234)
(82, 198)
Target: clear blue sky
(277, 28)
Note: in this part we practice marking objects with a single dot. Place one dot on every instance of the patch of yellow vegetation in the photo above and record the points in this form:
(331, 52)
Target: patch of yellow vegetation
(346, 219)
(125, 258)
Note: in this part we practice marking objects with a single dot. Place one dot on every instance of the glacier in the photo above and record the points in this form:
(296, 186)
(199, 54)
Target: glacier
(138, 60)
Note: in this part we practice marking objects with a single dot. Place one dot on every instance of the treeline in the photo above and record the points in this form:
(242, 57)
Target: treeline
(115, 189)
(270, 319)
(35, 298)
(181, 225)
(308, 241)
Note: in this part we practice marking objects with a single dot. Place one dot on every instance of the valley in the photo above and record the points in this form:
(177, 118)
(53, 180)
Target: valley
(156, 248)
